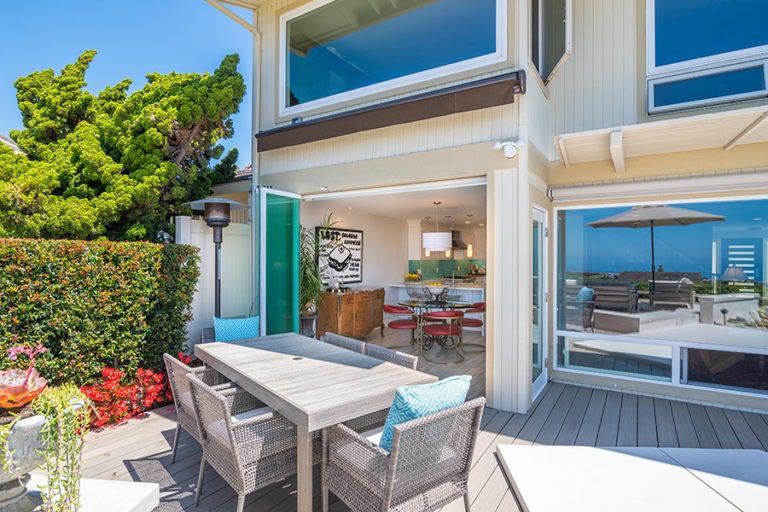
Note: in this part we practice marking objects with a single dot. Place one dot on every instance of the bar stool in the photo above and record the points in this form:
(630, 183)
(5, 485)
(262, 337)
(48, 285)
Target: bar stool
(447, 333)
(403, 324)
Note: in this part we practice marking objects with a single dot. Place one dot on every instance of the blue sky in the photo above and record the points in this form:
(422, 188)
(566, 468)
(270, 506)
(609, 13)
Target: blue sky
(678, 248)
(133, 39)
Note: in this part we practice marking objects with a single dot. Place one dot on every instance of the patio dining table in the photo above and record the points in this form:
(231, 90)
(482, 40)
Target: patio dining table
(313, 384)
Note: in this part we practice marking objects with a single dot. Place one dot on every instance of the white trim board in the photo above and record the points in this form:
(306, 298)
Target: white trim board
(722, 183)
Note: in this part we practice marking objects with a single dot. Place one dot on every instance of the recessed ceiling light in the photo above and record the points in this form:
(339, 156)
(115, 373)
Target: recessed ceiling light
(481, 225)
(349, 208)
(467, 222)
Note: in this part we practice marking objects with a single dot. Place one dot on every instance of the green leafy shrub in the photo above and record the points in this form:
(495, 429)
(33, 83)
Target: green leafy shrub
(95, 304)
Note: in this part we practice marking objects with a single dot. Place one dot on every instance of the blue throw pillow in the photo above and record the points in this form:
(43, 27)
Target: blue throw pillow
(413, 402)
(585, 294)
(231, 329)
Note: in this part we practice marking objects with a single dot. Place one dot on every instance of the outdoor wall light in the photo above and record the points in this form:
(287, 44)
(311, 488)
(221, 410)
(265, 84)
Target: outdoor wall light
(509, 148)
(217, 214)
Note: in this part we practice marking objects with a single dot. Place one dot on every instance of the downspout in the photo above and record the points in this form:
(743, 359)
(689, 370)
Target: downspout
(252, 27)
(256, 163)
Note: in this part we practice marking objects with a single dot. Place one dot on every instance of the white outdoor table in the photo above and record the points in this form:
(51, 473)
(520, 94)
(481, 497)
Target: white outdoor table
(313, 384)
(580, 478)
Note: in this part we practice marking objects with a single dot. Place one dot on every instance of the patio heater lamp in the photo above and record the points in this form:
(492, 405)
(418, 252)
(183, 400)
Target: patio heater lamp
(217, 214)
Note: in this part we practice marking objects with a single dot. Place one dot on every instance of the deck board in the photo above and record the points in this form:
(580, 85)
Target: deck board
(563, 415)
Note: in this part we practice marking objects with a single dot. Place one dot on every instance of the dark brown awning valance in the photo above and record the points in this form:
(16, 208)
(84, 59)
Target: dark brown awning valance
(485, 93)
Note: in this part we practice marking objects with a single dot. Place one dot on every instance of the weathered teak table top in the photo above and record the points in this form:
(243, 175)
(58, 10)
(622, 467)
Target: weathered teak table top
(313, 384)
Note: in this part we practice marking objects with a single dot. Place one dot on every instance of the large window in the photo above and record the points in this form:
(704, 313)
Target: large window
(706, 52)
(338, 50)
(668, 293)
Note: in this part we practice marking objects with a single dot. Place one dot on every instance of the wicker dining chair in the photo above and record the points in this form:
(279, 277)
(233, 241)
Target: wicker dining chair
(250, 450)
(182, 396)
(207, 335)
(427, 468)
(377, 419)
(393, 356)
(345, 342)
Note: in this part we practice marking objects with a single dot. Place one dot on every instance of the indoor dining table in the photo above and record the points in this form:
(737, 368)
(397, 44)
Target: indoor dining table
(313, 384)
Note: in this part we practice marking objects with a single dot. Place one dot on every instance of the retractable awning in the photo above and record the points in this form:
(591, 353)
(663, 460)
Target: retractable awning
(724, 130)
(485, 93)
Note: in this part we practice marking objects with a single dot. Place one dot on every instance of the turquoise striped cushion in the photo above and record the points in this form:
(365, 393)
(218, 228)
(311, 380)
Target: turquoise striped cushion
(413, 402)
(231, 329)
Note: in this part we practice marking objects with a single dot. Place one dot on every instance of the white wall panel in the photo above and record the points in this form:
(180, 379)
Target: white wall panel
(598, 86)
(487, 125)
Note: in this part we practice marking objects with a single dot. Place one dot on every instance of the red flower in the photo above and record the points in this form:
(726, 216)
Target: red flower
(184, 358)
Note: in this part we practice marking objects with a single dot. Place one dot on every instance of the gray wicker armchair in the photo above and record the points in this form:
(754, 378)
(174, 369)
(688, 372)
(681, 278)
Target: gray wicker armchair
(249, 450)
(207, 335)
(344, 342)
(376, 419)
(427, 468)
(387, 354)
(182, 396)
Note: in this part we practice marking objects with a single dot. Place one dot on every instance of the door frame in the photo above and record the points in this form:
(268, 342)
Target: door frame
(540, 214)
(263, 192)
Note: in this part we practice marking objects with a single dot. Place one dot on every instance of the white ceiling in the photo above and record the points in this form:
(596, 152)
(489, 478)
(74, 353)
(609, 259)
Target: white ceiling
(456, 203)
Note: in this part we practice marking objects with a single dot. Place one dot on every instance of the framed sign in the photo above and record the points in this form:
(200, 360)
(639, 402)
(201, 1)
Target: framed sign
(340, 255)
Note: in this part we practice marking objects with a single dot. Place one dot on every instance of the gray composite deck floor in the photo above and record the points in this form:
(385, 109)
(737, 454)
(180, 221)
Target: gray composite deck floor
(563, 415)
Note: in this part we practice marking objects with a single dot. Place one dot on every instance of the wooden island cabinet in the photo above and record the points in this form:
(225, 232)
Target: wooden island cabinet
(354, 313)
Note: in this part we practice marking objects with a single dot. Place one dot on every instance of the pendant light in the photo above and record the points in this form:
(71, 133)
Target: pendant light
(436, 241)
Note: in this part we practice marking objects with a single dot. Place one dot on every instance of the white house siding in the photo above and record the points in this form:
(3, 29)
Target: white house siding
(487, 125)
(598, 86)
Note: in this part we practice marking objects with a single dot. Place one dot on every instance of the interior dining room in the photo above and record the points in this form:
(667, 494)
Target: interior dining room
(406, 269)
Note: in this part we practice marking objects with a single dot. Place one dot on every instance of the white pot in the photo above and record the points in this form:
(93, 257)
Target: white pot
(25, 444)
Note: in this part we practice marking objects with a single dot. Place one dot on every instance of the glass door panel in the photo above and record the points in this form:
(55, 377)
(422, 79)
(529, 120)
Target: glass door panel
(538, 288)
(279, 261)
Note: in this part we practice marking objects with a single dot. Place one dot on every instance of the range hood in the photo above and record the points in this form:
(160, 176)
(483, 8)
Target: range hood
(456, 241)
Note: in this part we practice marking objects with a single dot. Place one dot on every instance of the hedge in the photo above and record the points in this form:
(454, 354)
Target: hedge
(95, 304)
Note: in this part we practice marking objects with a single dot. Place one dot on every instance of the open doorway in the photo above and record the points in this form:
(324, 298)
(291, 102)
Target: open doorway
(393, 271)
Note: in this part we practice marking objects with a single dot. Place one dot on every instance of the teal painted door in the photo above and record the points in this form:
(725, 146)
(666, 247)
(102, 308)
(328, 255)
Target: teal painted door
(279, 261)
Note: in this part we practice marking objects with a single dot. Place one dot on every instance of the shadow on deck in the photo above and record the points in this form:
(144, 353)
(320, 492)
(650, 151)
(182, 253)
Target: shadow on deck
(563, 415)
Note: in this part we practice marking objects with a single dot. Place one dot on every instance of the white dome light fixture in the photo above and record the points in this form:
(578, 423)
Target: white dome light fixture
(436, 241)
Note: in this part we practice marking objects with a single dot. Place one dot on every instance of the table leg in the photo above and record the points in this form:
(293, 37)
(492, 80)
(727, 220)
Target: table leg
(304, 469)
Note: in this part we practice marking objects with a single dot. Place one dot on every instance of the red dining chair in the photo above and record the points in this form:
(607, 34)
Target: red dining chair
(476, 308)
(447, 333)
(404, 324)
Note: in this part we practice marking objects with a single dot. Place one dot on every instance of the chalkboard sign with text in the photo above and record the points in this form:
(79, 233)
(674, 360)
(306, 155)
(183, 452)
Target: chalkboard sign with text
(341, 255)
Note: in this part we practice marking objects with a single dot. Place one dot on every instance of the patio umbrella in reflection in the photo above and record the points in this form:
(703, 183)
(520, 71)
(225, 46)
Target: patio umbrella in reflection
(654, 216)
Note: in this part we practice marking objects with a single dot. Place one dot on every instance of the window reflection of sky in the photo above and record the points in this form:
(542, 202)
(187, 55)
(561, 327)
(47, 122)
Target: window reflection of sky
(435, 34)
(678, 248)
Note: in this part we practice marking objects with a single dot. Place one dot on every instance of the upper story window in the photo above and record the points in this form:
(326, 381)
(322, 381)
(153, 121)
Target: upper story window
(550, 35)
(337, 50)
(706, 52)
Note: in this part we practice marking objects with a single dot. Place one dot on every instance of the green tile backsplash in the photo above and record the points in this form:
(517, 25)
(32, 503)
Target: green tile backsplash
(437, 269)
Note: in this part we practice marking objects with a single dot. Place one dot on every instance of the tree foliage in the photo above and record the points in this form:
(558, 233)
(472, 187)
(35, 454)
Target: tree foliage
(117, 164)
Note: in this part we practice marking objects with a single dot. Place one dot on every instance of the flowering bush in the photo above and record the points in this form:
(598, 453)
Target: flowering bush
(115, 400)
(95, 304)
(19, 387)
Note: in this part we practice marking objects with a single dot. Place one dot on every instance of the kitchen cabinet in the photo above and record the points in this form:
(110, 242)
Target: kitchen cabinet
(354, 313)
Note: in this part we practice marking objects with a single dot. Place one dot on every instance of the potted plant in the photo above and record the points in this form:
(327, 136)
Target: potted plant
(39, 426)
(310, 276)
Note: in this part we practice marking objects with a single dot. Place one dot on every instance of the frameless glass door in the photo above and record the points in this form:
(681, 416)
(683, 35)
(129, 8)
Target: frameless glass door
(538, 289)
(279, 261)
